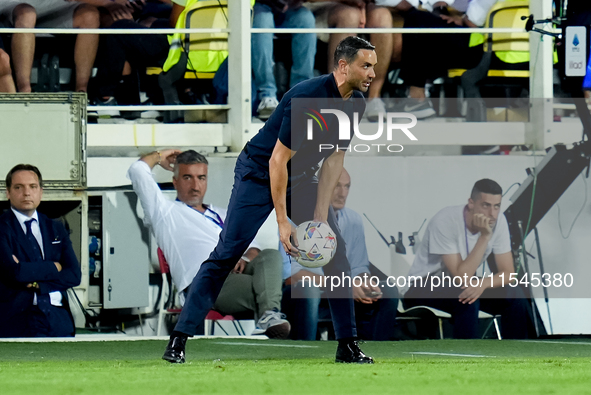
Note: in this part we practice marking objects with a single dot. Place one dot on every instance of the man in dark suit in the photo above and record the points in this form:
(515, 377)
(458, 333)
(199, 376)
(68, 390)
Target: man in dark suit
(37, 263)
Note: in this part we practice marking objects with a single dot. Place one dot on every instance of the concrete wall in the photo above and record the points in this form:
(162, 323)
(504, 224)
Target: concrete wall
(398, 193)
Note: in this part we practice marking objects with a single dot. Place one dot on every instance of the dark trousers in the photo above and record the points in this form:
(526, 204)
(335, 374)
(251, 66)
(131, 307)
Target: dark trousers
(53, 321)
(508, 302)
(428, 56)
(250, 205)
(304, 307)
(376, 321)
(140, 50)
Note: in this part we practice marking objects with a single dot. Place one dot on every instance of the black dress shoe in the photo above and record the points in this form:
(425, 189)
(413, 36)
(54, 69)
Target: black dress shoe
(351, 353)
(175, 350)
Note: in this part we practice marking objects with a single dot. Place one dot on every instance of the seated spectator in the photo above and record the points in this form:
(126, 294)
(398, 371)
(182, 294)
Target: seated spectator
(37, 263)
(187, 231)
(6, 81)
(50, 14)
(375, 307)
(457, 242)
(360, 14)
(119, 51)
(439, 52)
(286, 14)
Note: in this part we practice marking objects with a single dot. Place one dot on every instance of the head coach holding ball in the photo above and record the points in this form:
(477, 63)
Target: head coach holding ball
(277, 169)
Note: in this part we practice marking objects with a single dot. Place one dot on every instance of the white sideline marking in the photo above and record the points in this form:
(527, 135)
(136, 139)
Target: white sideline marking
(557, 342)
(113, 338)
(265, 345)
(451, 355)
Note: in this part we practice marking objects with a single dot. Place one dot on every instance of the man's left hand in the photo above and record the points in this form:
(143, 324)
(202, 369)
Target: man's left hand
(470, 294)
(320, 217)
(240, 266)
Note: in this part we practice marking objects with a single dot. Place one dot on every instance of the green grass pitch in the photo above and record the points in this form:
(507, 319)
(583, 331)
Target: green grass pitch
(236, 366)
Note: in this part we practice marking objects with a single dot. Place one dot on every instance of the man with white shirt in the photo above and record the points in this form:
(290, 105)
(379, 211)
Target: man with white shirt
(187, 231)
(457, 243)
(37, 263)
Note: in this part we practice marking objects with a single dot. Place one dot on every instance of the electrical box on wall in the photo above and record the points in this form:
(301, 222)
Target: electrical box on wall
(119, 242)
(47, 130)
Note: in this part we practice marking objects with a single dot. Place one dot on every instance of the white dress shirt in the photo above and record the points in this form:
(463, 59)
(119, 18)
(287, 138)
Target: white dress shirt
(185, 235)
(55, 297)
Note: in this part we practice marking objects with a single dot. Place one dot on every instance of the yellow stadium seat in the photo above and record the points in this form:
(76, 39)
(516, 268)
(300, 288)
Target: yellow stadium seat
(505, 55)
(510, 48)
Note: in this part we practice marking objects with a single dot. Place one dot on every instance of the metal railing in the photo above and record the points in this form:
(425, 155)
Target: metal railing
(239, 128)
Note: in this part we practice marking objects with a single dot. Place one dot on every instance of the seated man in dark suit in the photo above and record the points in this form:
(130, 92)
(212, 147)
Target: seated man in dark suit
(37, 263)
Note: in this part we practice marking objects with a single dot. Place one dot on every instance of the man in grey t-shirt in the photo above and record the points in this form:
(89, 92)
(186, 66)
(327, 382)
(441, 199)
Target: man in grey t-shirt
(456, 245)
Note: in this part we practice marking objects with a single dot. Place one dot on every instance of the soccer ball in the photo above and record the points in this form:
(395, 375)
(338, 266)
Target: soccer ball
(317, 244)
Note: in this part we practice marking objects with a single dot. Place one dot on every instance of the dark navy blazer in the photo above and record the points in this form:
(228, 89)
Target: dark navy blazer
(15, 298)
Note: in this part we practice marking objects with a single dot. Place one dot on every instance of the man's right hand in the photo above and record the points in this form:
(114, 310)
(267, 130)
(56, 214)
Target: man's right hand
(168, 158)
(287, 232)
(360, 296)
(481, 223)
(58, 266)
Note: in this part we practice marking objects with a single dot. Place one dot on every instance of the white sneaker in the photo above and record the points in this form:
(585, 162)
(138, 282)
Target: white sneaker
(273, 324)
(150, 114)
(107, 113)
(420, 108)
(266, 107)
(374, 108)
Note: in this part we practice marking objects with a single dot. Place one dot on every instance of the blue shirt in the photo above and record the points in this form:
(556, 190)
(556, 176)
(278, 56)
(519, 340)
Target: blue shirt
(318, 93)
(351, 227)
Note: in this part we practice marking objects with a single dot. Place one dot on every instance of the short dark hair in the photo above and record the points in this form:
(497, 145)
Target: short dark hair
(485, 185)
(189, 157)
(348, 48)
(21, 167)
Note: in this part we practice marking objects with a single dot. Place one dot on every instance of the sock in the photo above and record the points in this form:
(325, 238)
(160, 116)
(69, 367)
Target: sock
(178, 334)
(346, 340)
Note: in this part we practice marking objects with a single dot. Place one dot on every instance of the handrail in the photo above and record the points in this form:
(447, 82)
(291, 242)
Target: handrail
(273, 30)
(370, 30)
(169, 107)
(14, 30)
